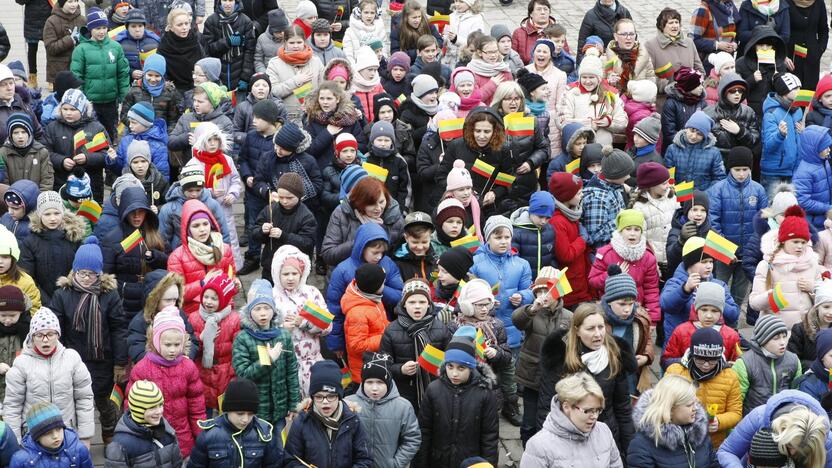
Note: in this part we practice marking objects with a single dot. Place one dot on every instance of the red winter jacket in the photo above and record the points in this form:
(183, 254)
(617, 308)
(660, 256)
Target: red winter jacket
(363, 327)
(182, 389)
(680, 341)
(215, 379)
(181, 261)
(524, 37)
(644, 271)
(366, 99)
(572, 251)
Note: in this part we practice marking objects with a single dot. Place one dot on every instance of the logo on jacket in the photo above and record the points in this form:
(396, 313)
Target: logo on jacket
(752, 201)
(111, 56)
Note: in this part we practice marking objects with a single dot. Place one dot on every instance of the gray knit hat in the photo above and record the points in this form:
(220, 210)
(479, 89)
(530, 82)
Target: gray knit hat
(498, 31)
(48, 200)
(124, 181)
(618, 285)
(768, 326)
(494, 222)
(783, 200)
(211, 66)
(138, 149)
(649, 128)
(710, 293)
(617, 165)
(380, 129)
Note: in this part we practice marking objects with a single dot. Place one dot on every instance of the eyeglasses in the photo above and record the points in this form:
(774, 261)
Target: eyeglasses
(626, 34)
(736, 91)
(45, 336)
(482, 305)
(513, 98)
(589, 411)
(85, 274)
(329, 398)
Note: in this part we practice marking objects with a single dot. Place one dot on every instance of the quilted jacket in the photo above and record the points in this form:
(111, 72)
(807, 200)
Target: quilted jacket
(216, 378)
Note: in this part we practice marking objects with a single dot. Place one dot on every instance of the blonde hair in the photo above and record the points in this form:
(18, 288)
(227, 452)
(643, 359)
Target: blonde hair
(505, 89)
(174, 13)
(574, 388)
(672, 390)
(573, 362)
(805, 432)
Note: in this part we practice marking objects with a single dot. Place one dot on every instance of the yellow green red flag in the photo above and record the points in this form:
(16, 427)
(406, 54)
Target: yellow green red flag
(719, 248)
(98, 143)
(574, 166)
(431, 359)
(519, 126)
(482, 168)
(800, 51)
(79, 139)
(776, 300)
(665, 71)
(470, 242)
(504, 179)
(560, 286)
(378, 172)
(804, 98)
(451, 128)
(317, 316)
(684, 191)
(132, 241)
(90, 209)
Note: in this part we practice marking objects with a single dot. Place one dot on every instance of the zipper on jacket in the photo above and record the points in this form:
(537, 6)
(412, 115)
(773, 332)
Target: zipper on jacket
(239, 448)
(538, 250)
(774, 376)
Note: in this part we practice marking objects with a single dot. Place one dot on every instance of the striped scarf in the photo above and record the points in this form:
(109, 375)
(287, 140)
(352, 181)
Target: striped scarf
(88, 318)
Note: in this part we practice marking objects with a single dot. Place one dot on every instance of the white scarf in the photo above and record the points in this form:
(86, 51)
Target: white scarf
(364, 85)
(596, 361)
(430, 110)
(631, 253)
(483, 68)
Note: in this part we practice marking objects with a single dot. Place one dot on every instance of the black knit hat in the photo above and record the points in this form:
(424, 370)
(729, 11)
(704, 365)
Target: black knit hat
(764, 451)
(325, 376)
(384, 99)
(529, 81)
(457, 261)
(266, 110)
(369, 278)
(739, 156)
(375, 367)
(241, 395)
(289, 137)
(706, 343)
(700, 198)
(65, 80)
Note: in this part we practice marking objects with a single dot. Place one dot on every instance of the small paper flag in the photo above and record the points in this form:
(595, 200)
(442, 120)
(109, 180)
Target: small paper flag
(98, 143)
(776, 300)
(800, 51)
(459, 289)
(574, 166)
(132, 241)
(346, 377)
(672, 172)
(114, 32)
(117, 396)
(79, 139)
(609, 65)
(378, 172)
(263, 356)
(302, 91)
(719, 248)
(519, 126)
(766, 57)
(684, 191)
(431, 359)
(665, 71)
(451, 128)
(471, 243)
(230, 271)
(440, 21)
(399, 100)
(480, 345)
(559, 287)
(90, 209)
(505, 180)
(804, 98)
(317, 316)
(482, 168)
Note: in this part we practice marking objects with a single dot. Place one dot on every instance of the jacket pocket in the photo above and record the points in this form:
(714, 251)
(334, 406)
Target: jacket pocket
(217, 455)
(253, 455)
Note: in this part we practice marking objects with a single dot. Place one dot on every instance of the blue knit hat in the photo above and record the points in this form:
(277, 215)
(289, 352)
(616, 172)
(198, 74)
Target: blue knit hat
(20, 120)
(143, 113)
(18, 69)
(461, 349)
(88, 256)
(42, 417)
(349, 177)
(77, 99)
(700, 121)
(542, 204)
(157, 63)
(260, 292)
(96, 18)
(77, 188)
(618, 285)
(823, 343)
(289, 137)
(325, 376)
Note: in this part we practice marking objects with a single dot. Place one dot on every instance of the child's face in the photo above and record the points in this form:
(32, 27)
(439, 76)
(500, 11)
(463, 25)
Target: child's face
(386, 114)
(201, 104)
(341, 82)
(539, 221)
(445, 278)
(70, 114)
(136, 30)
(199, 229)
(327, 403)
(638, 141)
(622, 308)
(416, 306)
(210, 301)
(192, 193)
(123, 10)
(136, 127)
(240, 419)
(99, 33)
(457, 373)
(260, 90)
(278, 37)
(460, 6)
(5, 263)
(576, 200)
(289, 277)
(465, 89)
(500, 241)
(826, 99)
(708, 315)
(374, 254)
(452, 227)
(347, 155)
(294, 44)
(261, 126)
(140, 166)
(45, 341)
(171, 343)
(71, 6)
(153, 78)
(824, 314)
(169, 298)
(694, 136)
(559, 43)
(741, 173)
(542, 57)
(212, 144)
(136, 217)
(281, 152)
(181, 27)
(9, 318)
(368, 14)
(52, 439)
(287, 199)
(794, 247)
(20, 137)
(327, 100)
(589, 82)
(86, 278)
(504, 45)
(153, 416)
(703, 268)
(540, 94)
(414, 19)
(418, 245)
(827, 360)
(398, 73)
(431, 98)
(631, 234)
(52, 218)
(824, 153)
(735, 94)
(383, 142)
(375, 389)
(199, 75)
(227, 6)
(262, 315)
(17, 211)
(777, 345)
(321, 39)
(659, 190)
(463, 194)
(792, 94)
(577, 145)
(428, 54)
(697, 214)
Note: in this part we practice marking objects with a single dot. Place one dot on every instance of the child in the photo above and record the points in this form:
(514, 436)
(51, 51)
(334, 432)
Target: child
(12, 274)
(733, 203)
(790, 262)
(294, 66)
(305, 14)
(693, 153)
(645, 138)
(136, 41)
(49, 440)
(781, 129)
(629, 249)
(452, 270)
(691, 219)
(706, 313)
(20, 199)
(821, 109)
(603, 197)
(767, 368)
(263, 353)
(815, 381)
(143, 436)
(366, 83)
(365, 316)
(139, 165)
(143, 126)
(346, 157)
(803, 336)
(366, 26)
(534, 237)
(321, 42)
(685, 96)
(409, 27)
(761, 75)
(641, 105)
(501, 33)
(574, 137)
(177, 376)
(385, 109)
(537, 320)
(270, 40)
(396, 435)
(590, 104)
(657, 203)
(383, 154)
(570, 250)
(721, 64)
(398, 67)
(24, 158)
(76, 190)
(166, 101)
(738, 124)
(325, 418)
(427, 52)
(60, 36)
(205, 70)
(230, 36)
(117, 15)
(466, 18)
(561, 59)
(216, 324)
(469, 387)
(450, 217)
(89, 309)
(261, 90)
(247, 439)
(14, 318)
(591, 157)
(812, 188)
(208, 100)
(43, 365)
(100, 63)
(464, 84)
(704, 362)
(415, 256)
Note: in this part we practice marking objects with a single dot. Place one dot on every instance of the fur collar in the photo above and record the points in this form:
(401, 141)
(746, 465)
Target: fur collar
(671, 436)
(74, 226)
(345, 114)
(108, 282)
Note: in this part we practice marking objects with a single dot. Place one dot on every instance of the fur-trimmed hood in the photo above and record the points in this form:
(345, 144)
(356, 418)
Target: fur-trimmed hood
(74, 227)
(338, 61)
(671, 436)
(284, 253)
(108, 282)
(154, 297)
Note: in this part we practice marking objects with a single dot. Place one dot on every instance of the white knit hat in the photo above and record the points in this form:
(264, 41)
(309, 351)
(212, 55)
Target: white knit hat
(642, 91)
(591, 65)
(305, 10)
(365, 58)
(823, 292)
(720, 59)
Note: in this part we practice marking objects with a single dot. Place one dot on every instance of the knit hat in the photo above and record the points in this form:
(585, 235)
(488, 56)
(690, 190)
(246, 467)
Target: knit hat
(338, 70)
(619, 285)
(823, 343)
(823, 292)
(266, 110)
(457, 261)
(494, 222)
(415, 286)
(692, 251)
(88, 256)
(143, 395)
(96, 18)
(710, 293)
(424, 84)
(449, 208)
(700, 121)
(292, 182)
(700, 198)
(706, 343)
(642, 90)
(542, 204)
(225, 288)
(458, 177)
(306, 10)
(545, 279)
(44, 320)
(192, 175)
(591, 65)
(687, 79)
(321, 25)
(794, 225)
(5, 73)
(49, 200)
(135, 15)
(564, 186)
(593, 41)
(369, 278)
(499, 31)
(156, 63)
(8, 243)
(782, 201)
(64, 81)
(20, 120)
(376, 45)
(289, 137)
(475, 462)
(277, 21)
(343, 141)
(463, 75)
(18, 69)
(78, 187)
(784, 83)
(545, 42)
(649, 128)
(382, 129)
(137, 149)
(460, 349)
(630, 217)
(381, 100)
(764, 450)
(365, 58)
(719, 60)
(399, 59)
(325, 376)
(473, 291)
(42, 417)
(418, 218)
(77, 99)
(651, 174)
(143, 113)
(241, 395)
(617, 165)
(211, 66)
(167, 319)
(350, 176)
(260, 292)
(375, 367)
(12, 299)
(767, 327)
(215, 93)
(530, 81)
(739, 156)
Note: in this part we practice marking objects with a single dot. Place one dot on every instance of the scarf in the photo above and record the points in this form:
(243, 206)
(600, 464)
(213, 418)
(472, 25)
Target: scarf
(209, 334)
(628, 60)
(536, 108)
(88, 320)
(330, 423)
(645, 150)
(309, 190)
(723, 12)
(430, 110)
(630, 253)
(207, 254)
(596, 361)
(482, 68)
(446, 239)
(363, 84)
(264, 335)
(339, 118)
(181, 55)
(118, 19)
(364, 219)
(624, 326)
(417, 330)
(572, 214)
(209, 160)
(803, 3)
(768, 8)
(295, 58)
(698, 375)
(690, 98)
(227, 23)
(154, 90)
(159, 360)
(470, 102)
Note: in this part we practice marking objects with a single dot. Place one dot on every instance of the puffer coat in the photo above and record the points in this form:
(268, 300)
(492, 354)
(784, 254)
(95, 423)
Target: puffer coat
(781, 154)
(532, 244)
(103, 68)
(237, 63)
(675, 115)
(733, 206)
(57, 40)
(134, 48)
(536, 325)
(644, 272)
(58, 140)
(72, 453)
(170, 215)
(658, 216)
(701, 163)
(217, 377)
(35, 13)
(282, 76)
(139, 446)
(221, 445)
(812, 177)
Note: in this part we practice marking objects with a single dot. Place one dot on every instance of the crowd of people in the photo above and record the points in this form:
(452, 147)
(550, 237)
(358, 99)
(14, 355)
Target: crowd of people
(451, 223)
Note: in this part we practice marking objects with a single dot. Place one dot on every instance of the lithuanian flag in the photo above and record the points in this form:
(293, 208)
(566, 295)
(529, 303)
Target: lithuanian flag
(117, 396)
(114, 32)
(776, 300)
(482, 168)
(672, 172)
(232, 97)
(214, 175)
(378, 172)
(609, 65)
(504, 179)
(98, 143)
(79, 139)
(90, 209)
(560, 286)
(302, 91)
(665, 71)
(321, 318)
(431, 359)
(684, 191)
(144, 55)
(132, 241)
(346, 377)
(519, 126)
(728, 35)
(719, 248)
(440, 21)
(574, 166)
(459, 289)
(800, 51)
(479, 341)
(495, 289)
(399, 100)
(451, 128)
(768, 57)
(471, 243)
(804, 98)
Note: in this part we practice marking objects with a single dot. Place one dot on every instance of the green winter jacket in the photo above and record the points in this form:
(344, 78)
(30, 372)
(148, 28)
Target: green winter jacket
(103, 68)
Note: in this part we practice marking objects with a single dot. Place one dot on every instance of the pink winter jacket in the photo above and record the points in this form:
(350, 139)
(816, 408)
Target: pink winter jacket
(644, 271)
(636, 111)
(487, 87)
(824, 247)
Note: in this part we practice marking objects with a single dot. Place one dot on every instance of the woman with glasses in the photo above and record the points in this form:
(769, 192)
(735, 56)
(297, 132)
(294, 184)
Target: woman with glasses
(626, 58)
(572, 434)
(488, 67)
(671, 45)
(599, 21)
(587, 347)
(672, 428)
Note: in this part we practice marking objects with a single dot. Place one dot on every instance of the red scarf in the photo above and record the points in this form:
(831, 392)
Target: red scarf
(210, 160)
(307, 30)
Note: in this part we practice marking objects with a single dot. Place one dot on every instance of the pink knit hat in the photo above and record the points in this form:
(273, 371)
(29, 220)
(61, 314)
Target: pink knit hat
(473, 291)
(167, 319)
(338, 70)
(459, 177)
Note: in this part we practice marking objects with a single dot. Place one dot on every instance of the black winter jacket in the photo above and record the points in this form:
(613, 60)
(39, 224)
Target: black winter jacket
(35, 13)
(532, 149)
(237, 63)
(330, 198)
(138, 446)
(271, 168)
(155, 183)
(348, 448)
(298, 226)
(220, 445)
(328, 10)
(801, 344)
(427, 193)
(418, 119)
(169, 105)
(744, 116)
(599, 22)
(398, 176)
(675, 114)
(411, 266)
(59, 141)
(258, 11)
(243, 115)
(747, 66)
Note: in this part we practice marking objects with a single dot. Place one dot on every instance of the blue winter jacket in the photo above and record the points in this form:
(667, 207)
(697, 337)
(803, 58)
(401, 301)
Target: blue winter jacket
(155, 136)
(133, 47)
(751, 18)
(701, 163)
(170, 215)
(733, 206)
(344, 273)
(733, 452)
(513, 275)
(533, 245)
(812, 385)
(811, 179)
(109, 218)
(780, 154)
(567, 64)
(308, 441)
(222, 445)
(8, 444)
(28, 191)
(676, 304)
(71, 453)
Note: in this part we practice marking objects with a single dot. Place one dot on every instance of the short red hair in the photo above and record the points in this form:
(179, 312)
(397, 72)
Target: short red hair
(365, 193)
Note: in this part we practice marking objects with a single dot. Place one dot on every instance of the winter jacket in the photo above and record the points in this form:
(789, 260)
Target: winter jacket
(677, 445)
(156, 136)
(217, 377)
(323, 142)
(679, 341)
(560, 443)
(417, 118)
(747, 65)
(343, 226)
(536, 325)
(761, 377)
(135, 48)
(265, 49)
(271, 167)
(71, 453)
(532, 244)
(572, 251)
(534, 150)
(601, 203)
(644, 272)
(780, 153)
(178, 137)
(404, 143)
(675, 115)
(427, 193)
(298, 226)
(282, 76)
(18, 105)
(711, 20)
(155, 186)
(599, 21)
(359, 34)
(62, 379)
(658, 216)
(733, 206)
(157, 12)
(223, 445)
(643, 69)
(579, 106)
(168, 105)
(524, 37)
(815, 385)
(458, 421)
(244, 112)
(679, 52)
(35, 13)
(57, 39)
(741, 114)
(414, 266)
(398, 177)
(750, 18)
(237, 63)
(26, 284)
(28, 192)
(364, 323)
(170, 216)
(395, 38)
(139, 446)
(701, 163)
(11, 344)
(34, 164)
(812, 177)
(348, 447)
(105, 62)
(58, 139)
(802, 338)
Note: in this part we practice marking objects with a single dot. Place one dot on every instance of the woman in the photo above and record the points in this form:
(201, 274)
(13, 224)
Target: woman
(330, 112)
(672, 428)
(201, 254)
(629, 59)
(420, 106)
(809, 29)
(714, 28)
(294, 73)
(368, 202)
(800, 426)
(488, 66)
(669, 45)
(572, 431)
(775, 14)
(542, 64)
(531, 29)
(599, 21)
(527, 153)
(587, 347)
(181, 49)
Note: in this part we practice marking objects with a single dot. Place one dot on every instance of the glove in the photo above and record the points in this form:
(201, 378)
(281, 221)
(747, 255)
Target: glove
(242, 86)
(688, 230)
(235, 40)
(75, 34)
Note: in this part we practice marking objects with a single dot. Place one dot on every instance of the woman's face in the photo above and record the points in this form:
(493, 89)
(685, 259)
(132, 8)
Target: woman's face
(483, 131)
(672, 28)
(512, 103)
(327, 100)
(200, 229)
(414, 19)
(625, 37)
(181, 26)
(294, 44)
(584, 414)
(542, 56)
(684, 414)
(592, 331)
(376, 209)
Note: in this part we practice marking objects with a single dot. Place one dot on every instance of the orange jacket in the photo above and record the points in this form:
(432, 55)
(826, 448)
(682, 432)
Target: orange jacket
(364, 325)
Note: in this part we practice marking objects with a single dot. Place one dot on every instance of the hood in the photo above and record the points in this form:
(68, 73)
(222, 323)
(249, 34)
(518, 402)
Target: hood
(28, 191)
(175, 193)
(486, 110)
(110, 208)
(814, 139)
(771, 103)
(339, 61)
(571, 132)
(392, 394)
(365, 234)
(158, 132)
(132, 199)
(681, 140)
(108, 282)
(74, 226)
(671, 436)
(154, 296)
(126, 425)
(559, 424)
(728, 81)
(790, 396)
(353, 299)
(764, 34)
(190, 208)
(283, 253)
(520, 218)
(58, 11)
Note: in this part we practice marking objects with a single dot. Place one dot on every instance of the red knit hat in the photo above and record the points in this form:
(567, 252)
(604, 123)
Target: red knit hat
(824, 85)
(345, 140)
(224, 287)
(794, 225)
(564, 186)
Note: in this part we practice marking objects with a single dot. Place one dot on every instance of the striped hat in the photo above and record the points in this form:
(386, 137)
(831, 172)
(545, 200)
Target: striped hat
(143, 396)
(618, 285)
(767, 327)
(349, 177)
(192, 175)
(42, 417)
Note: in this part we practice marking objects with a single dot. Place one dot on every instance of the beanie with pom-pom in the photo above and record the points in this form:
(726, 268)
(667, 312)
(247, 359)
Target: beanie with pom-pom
(88, 256)
(530, 81)
(459, 177)
(794, 225)
(618, 285)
